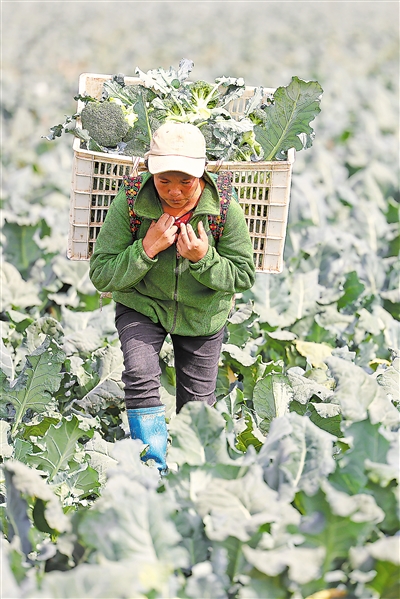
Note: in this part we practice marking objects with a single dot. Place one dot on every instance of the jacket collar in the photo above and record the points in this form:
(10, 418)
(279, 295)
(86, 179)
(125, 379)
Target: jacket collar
(149, 206)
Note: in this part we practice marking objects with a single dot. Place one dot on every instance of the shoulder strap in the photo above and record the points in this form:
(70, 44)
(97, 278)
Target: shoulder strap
(132, 186)
(216, 222)
(224, 186)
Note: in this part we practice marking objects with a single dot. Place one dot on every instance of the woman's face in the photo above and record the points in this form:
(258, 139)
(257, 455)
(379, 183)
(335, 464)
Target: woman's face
(176, 189)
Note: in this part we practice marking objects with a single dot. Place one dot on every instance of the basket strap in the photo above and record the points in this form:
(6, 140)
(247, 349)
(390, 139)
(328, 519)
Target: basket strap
(132, 186)
(224, 186)
(216, 222)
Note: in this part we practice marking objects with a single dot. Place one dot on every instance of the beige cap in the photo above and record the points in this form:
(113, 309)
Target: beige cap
(177, 147)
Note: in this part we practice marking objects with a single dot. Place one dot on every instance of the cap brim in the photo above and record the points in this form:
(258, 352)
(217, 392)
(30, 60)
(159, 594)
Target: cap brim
(163, 164)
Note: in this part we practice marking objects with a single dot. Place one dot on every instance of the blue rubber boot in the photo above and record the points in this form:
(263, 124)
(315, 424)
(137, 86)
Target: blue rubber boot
(148, 425)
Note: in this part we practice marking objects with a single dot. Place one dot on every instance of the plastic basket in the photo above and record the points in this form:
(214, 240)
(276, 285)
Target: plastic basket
(263, 190)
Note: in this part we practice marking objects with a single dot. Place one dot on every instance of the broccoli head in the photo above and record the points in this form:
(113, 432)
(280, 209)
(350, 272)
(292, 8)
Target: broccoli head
(204, 94)
(258, 116)
(105, 123)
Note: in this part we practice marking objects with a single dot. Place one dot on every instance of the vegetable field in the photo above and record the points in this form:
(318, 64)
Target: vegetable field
(288, 488)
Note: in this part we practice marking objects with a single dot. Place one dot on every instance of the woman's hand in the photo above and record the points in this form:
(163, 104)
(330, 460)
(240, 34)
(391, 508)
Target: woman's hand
(189, 245)
(160, 235)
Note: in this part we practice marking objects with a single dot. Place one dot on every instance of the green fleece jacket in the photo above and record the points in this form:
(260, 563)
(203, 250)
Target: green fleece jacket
(186, 298)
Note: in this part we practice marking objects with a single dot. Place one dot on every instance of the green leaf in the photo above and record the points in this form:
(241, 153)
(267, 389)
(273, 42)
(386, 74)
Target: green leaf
(23, 483)
(387, 499)
(304, 564)
(15, 292)
(99, 452)
(39, 518)
(248, 367)
(389, 379)
(230, 509)
(190, 526)
(60, 445)
(43, 327)
(288, 118)
(142, 531)
(39, 379)
(271, 397)
(13, 569)
(327, 417)
(17, 511)
(6, 361)
(247, 437)
(106, 369)
(38, 429)
(22, 450)
(359, 394)
(236, 561)
(239, 355)
(305, 292)
(143, 126)
(72, 273)
(110, 579)
(198, 436)
(21, 248)
(205, 583)
(366, 443)
(126, 462)
(6, 449)
(223, 385)
(262, 586)
(353, 288)
(296, 455)
(239, 334)
(323, 527)
(386, 582)
(360, 507)
(161, 80)
(386, 549)
(242, 314)
(232, 402)
(81, 480)
(305, 388)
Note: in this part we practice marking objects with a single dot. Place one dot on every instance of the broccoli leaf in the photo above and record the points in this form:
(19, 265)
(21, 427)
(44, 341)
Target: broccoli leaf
(271, 397)
(185, 67)
(59, 446)
(234, 88)
(163, 81)
(85, 98)
(256, 100)
(58, 130)
(145, 125)
(287, 119)
(127, 94)
(39, 379)
(55, 131)
(93, 146)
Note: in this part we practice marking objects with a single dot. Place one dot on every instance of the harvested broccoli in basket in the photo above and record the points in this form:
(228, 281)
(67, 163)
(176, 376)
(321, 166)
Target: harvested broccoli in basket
(238, 123)
(105, 122)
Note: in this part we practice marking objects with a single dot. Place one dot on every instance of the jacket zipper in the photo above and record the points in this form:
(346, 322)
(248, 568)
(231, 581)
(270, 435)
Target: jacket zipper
(175, 295)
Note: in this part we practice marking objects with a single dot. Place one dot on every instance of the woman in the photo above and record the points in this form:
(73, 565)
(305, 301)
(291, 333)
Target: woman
(172, 278)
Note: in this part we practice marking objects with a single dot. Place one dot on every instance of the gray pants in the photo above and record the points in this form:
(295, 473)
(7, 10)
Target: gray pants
(196, 361)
